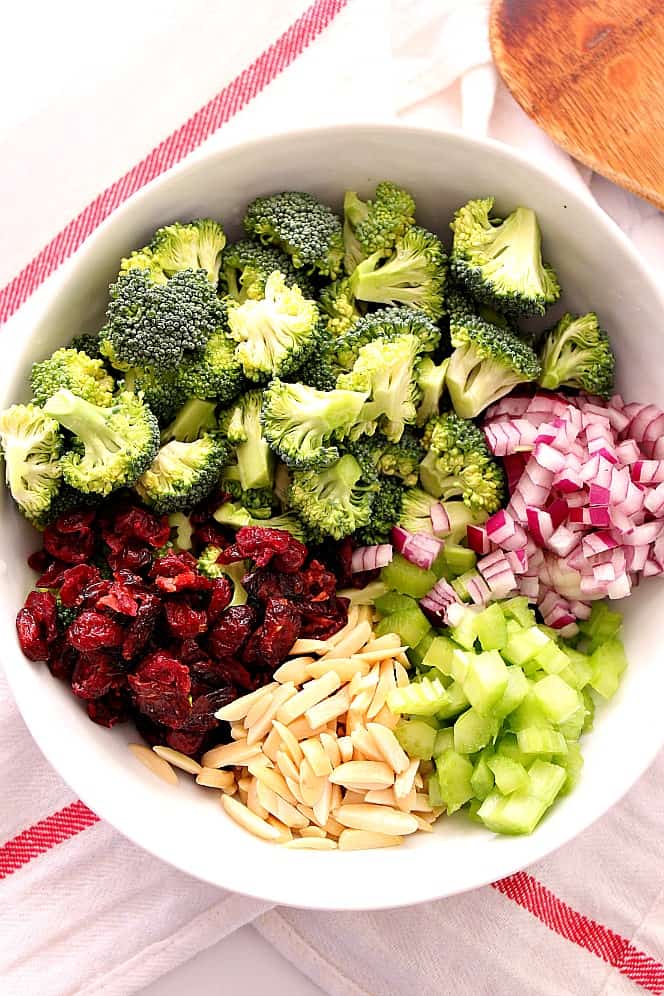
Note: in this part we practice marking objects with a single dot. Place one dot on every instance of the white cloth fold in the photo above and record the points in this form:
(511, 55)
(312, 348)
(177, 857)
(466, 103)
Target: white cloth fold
(97, 915)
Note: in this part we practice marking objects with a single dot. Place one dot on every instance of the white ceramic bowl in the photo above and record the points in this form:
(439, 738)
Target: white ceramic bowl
(186, 826)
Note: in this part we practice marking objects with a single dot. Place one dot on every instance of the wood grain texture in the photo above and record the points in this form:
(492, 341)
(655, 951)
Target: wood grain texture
(591, 74)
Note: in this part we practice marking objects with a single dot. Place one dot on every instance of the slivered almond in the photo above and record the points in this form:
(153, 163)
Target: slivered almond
(345, 630)
(311, 784)
(272, 744)
(289, 741)
(376, 819)
(157, 765)
(381, 797)
(301, 729)
(279, 807)
(312, 831)
(422, 804)
(178, 760)
(345, 667)
(285, 832)
(306, 811)
(369, 681)
(294, 786)
(238, 752)
(294, 670)
(361, 702)
(354, 686)
(310, 647)
(257, 710)
(428, 817)
(322, 806)
(330, 745)
(252, 800)
(387, 718)
(363, 775)
(311, 844)
(422, 824)
(239, 708)
(245, 783)
(401, 675)
(345, 748)
(214, 778)
(404, 781)
(242, 795)
(261, 727)
(238, 732)
(375, 656)
(273, 779)
(352, 642)
(332, 828)
(245, 818)
(329, 709)
(418, 781)
(316, 756)
(313, 691)
(231, 790)
(337, 797)
(365, 744)
(406, 802)
(286, 765)
(389, 640)
(364, 840)
(385, 685)
(388, 745)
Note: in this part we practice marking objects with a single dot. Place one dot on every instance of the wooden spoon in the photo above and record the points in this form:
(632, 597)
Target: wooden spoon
(591, 74)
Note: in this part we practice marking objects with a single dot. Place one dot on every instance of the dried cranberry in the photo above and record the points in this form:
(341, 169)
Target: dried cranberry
(161, 688)
(208, 533)
(43, 607)
(220, 597)
(270, 643)
(232, 630)
(30, 636)
(52, 576)
(95, 674)
(153, 733)
(183, 621)
(39, 561)
(130, 556)
(188, 581)
(73, 544)
(74, 581)
(186, 743)
(94, 631)
(234, 673)
(263, 545)
(94, 591)
(264, 584)
(202, 717)
(137, 523)
(75, 521)
(141, 627)
(322, 620)
(120, 599)
(62, 659)
(206, 509)
(318, 582)
(172, 564)
(110, 709)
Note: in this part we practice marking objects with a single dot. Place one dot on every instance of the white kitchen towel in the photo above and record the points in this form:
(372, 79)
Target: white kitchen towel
(84, 910)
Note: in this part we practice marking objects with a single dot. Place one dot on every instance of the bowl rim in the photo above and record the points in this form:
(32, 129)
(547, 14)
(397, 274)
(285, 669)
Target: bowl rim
(91, 793)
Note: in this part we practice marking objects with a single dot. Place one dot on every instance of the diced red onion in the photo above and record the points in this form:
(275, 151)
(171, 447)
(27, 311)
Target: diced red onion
(599, 495)
(620, 588)
(646, 533)
(478, 539)
(562, 541)
(549, 458)
(440, 520)
(558, 510)
(651, 568)
(502, 584)
(500, 526)
(628, 452)
(647, 471)
(440, 597)
(654, 501)
(581, 610)
(518, 561)
(529, 587)
(478, 590)
(370, 558)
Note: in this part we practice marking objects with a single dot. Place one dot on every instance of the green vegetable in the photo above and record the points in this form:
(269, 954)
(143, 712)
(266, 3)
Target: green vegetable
(113, 445)
(209, 566)
(414, 274)
(194, 418)
(384, 323)
(454, 774)
(500, 263)
(602, 625)
(392, 601)
(182, 474)
(308, 231)
(373, 226)
(608, 662)
(339, 307)
(246, 266)
(458, 464)
(491, 627)
(473, 731)
(183, 530)
(407, 578)
(577, 353)
(243, 429)
(431, 384)
(416, 737)
(74, 370)
(333, 501)
(31, 445)
(196, 245)
(235, 516)
(410, 625)
(421, 698)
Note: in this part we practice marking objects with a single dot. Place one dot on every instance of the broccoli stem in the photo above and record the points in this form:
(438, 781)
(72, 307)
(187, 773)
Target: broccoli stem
(194, 417)
(85, 420)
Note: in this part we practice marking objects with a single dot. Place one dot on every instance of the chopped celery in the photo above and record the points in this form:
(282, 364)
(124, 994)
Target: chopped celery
(539, 740)
(551, 658)
(459, 584)
(473, 809)
(455, 702)
(459, 558)
(366, 595)
(436, 800)
(572, 762)
(441, 568)
(392, 601)
(510, 776)
(444, 741)
(473, 731)
(608, 663)
(439, 654)
(465, 633)
(491, 627)
(546, 780)
(458, 664)
(514, 694)
(416, 737)
(420, 698)
(589, 704)
(407, 578)
(528, 713)
(485, 680)
(572, 728)
(579, 670)
(410, 626)
(519, 609)
(454, 774)
(507, 746)
(603, 625)
(512, 814)
(482, 779)
(417, 654)
(524, 645)
(557, 699)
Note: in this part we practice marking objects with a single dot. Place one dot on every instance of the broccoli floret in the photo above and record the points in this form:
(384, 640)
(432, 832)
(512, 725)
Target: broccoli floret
(184, 529)
(339, 307)
(215, 374)
(259, 502)
(500, 262)
(209, 567)
(299, 422)
(414, 274)
(431, 382)
(276, 333)
(235, 516)
(69, 368)
(416, 515)
(247, 264)
(164, 393)
(386, 508)
(459, 465)
(242, 426)
(401, 459)
(87, 342)
(113, 445)
(384, 323)
(386, 370)
(321, 368)
(194, 418)
(156, 325)
(182, 474)
(577, 353)
(307, 230)
(374, 226)
(487, 362)
(31, 444)
(334, 501)
(196, 245)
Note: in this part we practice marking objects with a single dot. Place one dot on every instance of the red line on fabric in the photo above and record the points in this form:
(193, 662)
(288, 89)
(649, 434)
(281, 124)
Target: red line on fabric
(601, 941)
(203, 123)
(41, 837)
